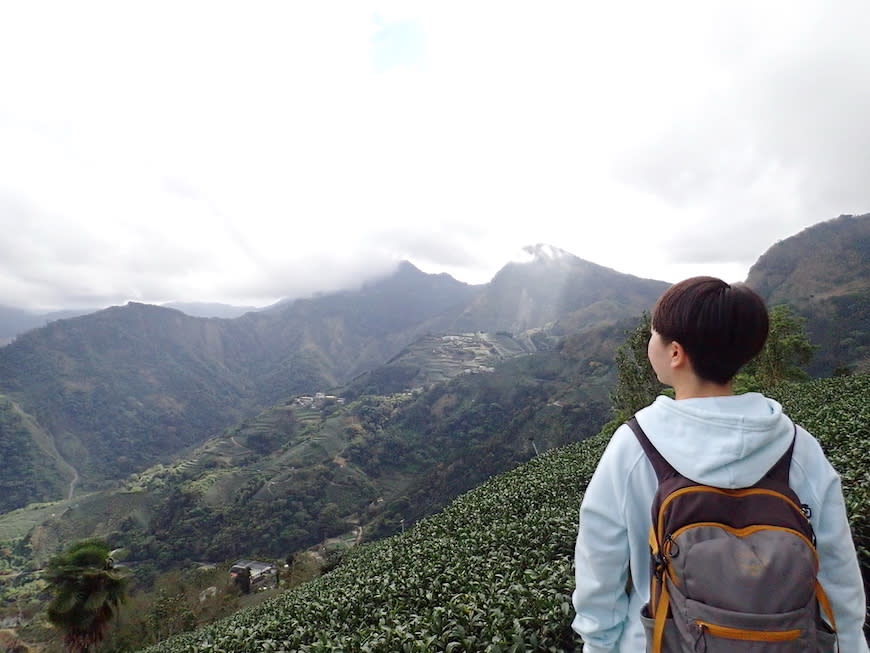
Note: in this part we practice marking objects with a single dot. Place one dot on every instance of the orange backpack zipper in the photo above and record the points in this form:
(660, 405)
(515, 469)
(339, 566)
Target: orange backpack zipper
(744, 634)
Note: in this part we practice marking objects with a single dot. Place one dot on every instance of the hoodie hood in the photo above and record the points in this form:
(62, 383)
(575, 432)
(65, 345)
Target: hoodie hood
(728, 442)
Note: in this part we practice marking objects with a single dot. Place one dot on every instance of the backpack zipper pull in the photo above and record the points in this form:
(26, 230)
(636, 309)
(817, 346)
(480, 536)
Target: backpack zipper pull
(670, 549)
(700, 639)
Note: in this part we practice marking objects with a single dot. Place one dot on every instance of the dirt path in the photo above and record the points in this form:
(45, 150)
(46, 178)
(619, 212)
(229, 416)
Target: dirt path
(73, 482)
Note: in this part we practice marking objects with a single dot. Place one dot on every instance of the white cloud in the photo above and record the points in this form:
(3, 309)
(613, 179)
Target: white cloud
(219, 151)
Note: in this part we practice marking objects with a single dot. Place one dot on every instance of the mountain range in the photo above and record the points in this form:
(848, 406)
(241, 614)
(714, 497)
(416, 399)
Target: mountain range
(129, 386)
(157, 426)
(824, 274)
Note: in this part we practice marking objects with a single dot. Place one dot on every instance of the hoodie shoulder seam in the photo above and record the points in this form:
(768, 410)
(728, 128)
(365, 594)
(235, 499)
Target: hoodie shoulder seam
(640, 455)
(806, 439)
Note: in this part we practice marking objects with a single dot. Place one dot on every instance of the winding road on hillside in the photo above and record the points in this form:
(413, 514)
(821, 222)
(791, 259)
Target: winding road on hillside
(73, 482)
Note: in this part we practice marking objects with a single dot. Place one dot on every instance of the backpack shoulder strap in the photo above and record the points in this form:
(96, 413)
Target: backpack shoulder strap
(779, 472)
(662, 467)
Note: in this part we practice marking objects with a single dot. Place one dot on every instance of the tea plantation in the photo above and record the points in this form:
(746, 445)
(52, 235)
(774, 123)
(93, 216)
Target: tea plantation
(493, 572)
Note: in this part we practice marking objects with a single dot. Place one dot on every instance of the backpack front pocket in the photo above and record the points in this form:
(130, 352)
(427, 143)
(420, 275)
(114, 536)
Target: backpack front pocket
(715, 630)
(768, 570)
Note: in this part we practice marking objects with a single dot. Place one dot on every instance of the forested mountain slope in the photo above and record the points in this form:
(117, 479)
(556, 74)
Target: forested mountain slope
(307, 469)
(824, 273)
(30, 461)
(123, 387)
(126, 387)
(493, 572)
(556, 288)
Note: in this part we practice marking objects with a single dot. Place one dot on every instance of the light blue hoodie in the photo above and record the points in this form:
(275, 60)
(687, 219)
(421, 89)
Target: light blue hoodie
(728, 442)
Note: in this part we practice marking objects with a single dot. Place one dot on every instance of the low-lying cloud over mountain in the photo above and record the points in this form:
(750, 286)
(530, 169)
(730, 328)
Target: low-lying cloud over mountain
(314, 152)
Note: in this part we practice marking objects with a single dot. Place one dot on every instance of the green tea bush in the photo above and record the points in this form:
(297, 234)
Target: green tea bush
(837, 412)
(493, 572)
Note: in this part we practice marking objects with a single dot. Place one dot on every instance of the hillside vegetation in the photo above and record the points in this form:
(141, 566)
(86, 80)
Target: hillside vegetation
(824, 274)
(33, 473)
(296, 474)
(131, 386)
(493, 572)
(125, 388)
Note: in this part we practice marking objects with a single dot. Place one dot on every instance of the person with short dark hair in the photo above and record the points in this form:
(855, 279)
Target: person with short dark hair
(703, 331)
(721, 327)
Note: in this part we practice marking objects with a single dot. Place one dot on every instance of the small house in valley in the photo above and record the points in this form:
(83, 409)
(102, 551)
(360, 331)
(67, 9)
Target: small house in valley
(252, 575)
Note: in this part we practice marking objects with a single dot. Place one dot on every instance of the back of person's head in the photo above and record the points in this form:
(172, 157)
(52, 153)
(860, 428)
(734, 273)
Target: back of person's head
(721, 327)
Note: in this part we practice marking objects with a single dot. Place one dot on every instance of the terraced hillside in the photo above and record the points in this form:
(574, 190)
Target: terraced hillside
(312, 468)
(493, 572)
(437, 358)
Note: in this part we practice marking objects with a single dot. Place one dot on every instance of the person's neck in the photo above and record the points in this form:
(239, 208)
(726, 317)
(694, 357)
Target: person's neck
(695, 388)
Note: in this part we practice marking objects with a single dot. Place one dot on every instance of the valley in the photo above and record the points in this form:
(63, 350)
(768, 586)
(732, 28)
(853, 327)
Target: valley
(332, 423)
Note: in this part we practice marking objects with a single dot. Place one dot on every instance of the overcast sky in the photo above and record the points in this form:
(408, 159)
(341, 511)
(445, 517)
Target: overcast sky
(247, 151)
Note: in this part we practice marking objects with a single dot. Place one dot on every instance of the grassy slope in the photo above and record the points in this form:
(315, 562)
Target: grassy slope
(493, 572)
(33, 469)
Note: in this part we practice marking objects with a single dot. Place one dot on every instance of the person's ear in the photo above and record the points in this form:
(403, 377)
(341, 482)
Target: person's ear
(679, 357)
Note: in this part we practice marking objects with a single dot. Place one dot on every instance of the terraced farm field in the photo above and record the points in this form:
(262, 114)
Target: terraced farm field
(16, 524)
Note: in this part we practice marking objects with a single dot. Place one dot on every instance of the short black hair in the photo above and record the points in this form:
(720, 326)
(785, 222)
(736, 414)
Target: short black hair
(722, 327)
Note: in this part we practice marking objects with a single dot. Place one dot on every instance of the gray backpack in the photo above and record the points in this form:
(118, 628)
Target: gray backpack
(732, 570)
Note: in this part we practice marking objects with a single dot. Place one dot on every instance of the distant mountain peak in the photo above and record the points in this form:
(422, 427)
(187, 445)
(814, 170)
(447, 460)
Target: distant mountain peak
(543, 253)
(406, 267)
(405, 271)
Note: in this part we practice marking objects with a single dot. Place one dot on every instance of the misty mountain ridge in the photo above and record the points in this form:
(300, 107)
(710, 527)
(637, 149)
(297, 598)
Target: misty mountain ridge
(556, 288)
(341, 416)
(15, 320)
(542, 252)
(126, 387)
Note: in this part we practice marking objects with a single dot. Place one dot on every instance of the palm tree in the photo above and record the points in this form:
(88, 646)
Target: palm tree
(87, 592)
